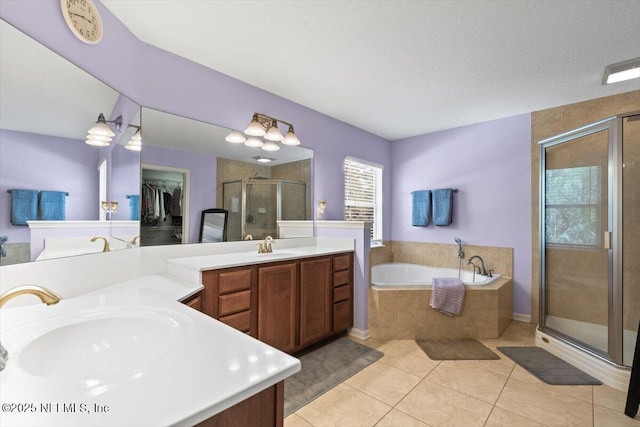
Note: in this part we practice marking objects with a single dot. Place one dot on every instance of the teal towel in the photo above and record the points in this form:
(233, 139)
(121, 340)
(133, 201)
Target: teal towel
(24, 206)
(420, 207)
(134, 207)
(52, 205)
(442, 206)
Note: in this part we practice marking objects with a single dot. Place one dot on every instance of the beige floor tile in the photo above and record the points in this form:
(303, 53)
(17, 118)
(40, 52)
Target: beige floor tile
(501, 418)
(609, 397)
(396, 418)
(536, 402)
(406, 355)
(478, 383)
(344, 406)
(440, 406)
(384, 382)
(294, 420)
(504, 366)
(605, 417)
(584, 392)
(371, 342)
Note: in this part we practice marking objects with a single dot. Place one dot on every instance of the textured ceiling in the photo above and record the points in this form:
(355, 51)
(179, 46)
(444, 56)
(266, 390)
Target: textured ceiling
(402, 68)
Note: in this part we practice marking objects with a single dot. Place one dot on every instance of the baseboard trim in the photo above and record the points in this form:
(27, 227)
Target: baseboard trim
(522, 317)
(359, 333)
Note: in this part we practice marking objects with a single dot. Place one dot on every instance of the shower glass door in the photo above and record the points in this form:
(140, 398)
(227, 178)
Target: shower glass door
(575, 225)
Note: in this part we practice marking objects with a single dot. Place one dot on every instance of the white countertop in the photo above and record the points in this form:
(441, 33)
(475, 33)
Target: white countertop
(203, 367)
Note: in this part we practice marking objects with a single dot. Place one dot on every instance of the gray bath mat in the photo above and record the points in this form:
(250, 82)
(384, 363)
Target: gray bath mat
(456, 349)
(547, 367)
(325, 368)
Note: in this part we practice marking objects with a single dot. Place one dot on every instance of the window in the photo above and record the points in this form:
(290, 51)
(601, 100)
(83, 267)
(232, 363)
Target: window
(572, 206)
(363, 194)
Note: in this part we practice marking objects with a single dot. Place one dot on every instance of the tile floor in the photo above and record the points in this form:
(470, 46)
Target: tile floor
(405, 388)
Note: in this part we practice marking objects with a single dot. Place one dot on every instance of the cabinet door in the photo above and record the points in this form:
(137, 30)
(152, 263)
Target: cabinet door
(315, 300)
(277, 301)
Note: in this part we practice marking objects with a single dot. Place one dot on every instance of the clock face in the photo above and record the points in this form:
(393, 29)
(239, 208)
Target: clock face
(83, 19)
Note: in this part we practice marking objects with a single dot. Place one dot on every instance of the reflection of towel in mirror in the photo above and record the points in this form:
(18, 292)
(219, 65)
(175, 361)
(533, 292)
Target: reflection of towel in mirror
(134, 207)
(447, 295)
(52, 205)
(442, 206)
(24, 206)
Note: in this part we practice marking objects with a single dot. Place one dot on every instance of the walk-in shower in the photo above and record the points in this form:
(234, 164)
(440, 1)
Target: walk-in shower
(255, 206)
(590, 237)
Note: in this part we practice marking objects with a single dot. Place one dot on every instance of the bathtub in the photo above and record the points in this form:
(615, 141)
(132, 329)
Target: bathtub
(395, 275)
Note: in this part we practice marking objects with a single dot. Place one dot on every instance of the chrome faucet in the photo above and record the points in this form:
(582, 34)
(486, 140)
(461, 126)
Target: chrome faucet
(106, 247)
(482, 270)
(266, 247)
(46, 296)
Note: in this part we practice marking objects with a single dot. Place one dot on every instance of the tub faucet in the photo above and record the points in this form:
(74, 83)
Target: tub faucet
(106, 247)
(482, 270)
(46, 296)
(3, 251)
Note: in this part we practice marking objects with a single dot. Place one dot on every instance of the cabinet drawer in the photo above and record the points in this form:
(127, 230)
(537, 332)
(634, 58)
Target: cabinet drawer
(342, 317)
(341, 278)
(234, 281)
(341, 262)
(240, 321)
(233, 303)
(195, 302)
(341, 293)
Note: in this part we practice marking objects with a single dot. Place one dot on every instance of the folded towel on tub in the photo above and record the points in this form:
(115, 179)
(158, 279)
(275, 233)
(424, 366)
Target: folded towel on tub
(447, 295)
(420, 207)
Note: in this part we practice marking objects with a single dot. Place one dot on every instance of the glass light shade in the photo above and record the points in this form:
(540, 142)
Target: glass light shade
(98, 141)
(133, 147)
(290, 138)
(255, 128)
(235, 137)
(270, 146)
(101, 129)
(273, 134)
(253, 142)
(137, 137)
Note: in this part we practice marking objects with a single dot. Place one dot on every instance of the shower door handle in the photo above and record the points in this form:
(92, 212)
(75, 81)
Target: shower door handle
(607, 240)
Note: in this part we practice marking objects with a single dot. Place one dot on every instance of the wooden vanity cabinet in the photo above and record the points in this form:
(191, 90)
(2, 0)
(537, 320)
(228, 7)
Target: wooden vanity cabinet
(278, 305)
(315, 300)
(194, 301)
(289, 305)
(342, 281)
(230, 295)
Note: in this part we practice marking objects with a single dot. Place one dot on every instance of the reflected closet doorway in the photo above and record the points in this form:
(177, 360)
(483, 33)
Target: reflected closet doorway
(164, 205)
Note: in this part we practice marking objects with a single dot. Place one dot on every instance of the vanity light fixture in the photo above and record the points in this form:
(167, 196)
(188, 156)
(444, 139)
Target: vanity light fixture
(100, 135)
(267, 127)
(621, 71)
(135, 143)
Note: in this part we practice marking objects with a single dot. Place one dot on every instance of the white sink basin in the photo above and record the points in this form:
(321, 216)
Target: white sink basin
(280, 253)
(101, 344)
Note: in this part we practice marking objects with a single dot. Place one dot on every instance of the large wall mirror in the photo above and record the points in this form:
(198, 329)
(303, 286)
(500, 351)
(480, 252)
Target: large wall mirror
(47, 106)
(190, 160)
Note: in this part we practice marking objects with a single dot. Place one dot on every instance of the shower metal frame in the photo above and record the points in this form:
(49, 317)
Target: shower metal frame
(612, 237)
(277, 182)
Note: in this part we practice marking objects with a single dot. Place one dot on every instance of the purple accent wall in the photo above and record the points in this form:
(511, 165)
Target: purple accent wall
(202, 187)
(28, 161)
(490, 164)
(158, 79)
(124, 180)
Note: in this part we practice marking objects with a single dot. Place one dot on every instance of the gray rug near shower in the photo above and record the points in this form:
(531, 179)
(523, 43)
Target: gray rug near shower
(324, 368)
(547, 367)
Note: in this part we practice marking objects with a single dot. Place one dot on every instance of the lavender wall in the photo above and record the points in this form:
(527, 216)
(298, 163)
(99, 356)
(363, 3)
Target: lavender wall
(157, 79)
(30, 161)
(490, 164)
(202, 187)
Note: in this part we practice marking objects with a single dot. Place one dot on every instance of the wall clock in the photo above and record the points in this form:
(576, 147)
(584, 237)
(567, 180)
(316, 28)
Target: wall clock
(83, 19)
